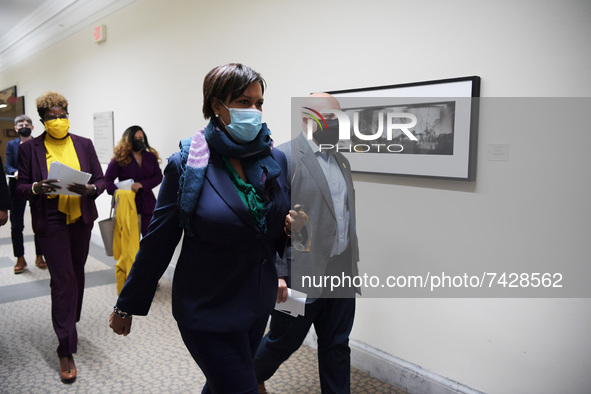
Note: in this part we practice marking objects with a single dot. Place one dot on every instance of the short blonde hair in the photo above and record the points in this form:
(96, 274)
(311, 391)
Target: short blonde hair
(48, 100)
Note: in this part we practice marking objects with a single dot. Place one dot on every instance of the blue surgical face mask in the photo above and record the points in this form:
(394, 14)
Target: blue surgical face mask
(245, 123)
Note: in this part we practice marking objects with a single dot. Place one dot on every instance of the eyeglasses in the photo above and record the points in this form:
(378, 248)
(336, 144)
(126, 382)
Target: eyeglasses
(52, 117)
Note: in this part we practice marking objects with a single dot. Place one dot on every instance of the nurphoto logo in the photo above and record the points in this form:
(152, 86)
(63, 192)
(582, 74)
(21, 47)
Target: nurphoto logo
(386, 121)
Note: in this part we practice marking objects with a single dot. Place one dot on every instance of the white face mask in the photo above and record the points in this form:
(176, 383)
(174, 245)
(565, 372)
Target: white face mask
(245, 123)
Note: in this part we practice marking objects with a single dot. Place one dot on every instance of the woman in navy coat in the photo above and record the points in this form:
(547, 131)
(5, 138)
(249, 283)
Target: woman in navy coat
(226, 190)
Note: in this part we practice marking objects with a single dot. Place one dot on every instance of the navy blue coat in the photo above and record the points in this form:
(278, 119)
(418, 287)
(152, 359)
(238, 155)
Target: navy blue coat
(12, 164)
(12, 156)
(225, 278)
(4, 195)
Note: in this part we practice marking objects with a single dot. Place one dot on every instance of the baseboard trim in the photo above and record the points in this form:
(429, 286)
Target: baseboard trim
(399, 373)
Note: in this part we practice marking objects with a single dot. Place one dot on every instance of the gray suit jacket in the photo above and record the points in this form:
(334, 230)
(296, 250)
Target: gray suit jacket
(309, 187)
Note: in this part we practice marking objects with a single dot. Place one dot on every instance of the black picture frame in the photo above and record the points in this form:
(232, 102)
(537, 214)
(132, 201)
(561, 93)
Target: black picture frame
(446, 130)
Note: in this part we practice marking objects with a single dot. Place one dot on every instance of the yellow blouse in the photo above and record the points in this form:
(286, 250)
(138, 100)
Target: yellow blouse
(64, 152)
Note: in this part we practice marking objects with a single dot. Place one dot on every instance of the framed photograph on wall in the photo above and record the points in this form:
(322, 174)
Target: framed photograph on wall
(7, 95)
(10, 133)
(425, 129)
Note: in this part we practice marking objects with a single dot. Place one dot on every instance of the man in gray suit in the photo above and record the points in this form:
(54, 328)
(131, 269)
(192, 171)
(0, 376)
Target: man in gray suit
(321, 183)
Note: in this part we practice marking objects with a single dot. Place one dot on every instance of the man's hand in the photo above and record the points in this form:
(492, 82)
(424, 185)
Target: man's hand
(282, 291)
(3, 217)
(296, 219)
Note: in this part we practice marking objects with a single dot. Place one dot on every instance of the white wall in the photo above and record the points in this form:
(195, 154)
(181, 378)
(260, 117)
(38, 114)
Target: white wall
(150, 70)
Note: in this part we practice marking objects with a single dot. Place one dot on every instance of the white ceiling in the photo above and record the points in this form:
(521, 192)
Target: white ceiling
(14, 11)
(29, 26)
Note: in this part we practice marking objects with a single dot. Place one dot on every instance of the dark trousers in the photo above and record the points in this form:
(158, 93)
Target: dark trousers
(17, 225)
(333, 321)
(226, 359)
(65, 248)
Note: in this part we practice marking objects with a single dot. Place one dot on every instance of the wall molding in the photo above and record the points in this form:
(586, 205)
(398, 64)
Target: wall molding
(52, 22)
(396, 371)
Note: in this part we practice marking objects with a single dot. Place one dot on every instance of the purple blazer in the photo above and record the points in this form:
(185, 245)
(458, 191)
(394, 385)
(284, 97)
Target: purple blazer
(149, 175)
(32, 167)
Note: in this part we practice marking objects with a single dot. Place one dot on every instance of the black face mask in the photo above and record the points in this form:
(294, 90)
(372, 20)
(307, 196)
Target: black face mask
(138, 145)
(329, 136)
(24, 131)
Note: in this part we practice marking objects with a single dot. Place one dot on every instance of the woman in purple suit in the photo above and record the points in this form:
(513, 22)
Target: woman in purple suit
(62, 223)
(135, 159)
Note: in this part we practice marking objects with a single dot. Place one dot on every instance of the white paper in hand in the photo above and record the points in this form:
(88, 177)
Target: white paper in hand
(125, 185)
(66, 176)
(295, 305)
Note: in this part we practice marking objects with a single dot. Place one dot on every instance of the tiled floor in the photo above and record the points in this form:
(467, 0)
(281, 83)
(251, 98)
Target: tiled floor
(152, 359)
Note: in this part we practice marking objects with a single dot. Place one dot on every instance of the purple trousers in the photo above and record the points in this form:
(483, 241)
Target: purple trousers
(65, 248)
